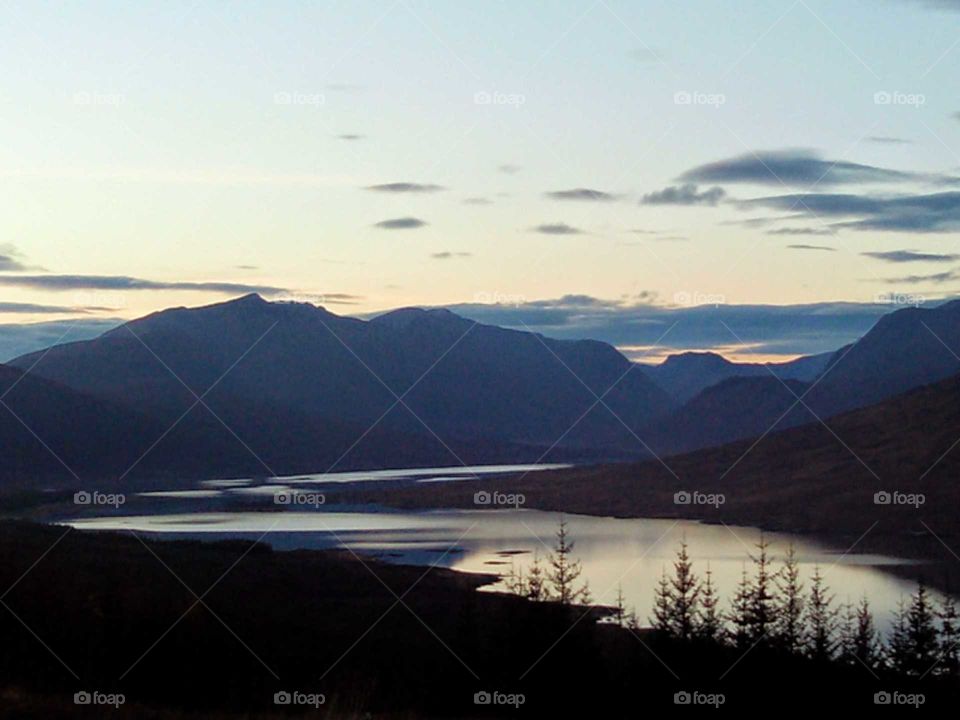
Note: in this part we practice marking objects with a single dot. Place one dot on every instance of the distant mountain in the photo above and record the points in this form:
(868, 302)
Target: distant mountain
(904, 350)
(684, 375)
(734, 409)
(297, 385)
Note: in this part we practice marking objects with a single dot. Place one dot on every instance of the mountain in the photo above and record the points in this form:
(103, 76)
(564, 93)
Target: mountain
(811, 478)
(736, 408)
(684, 375)
(295, 385)
(904, 350)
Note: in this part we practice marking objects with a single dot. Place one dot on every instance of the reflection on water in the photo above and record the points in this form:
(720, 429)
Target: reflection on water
(631, 552)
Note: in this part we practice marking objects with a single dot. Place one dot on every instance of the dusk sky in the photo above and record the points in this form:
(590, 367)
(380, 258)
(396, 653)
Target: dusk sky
(634, 158)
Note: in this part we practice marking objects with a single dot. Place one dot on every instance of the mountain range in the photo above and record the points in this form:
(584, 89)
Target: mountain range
(249, 387)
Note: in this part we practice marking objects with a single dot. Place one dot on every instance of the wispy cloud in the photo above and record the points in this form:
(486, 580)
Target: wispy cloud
(934, 278)
(36, 309)
(801, 246)
(582, 194)
(449, 255)
(907, 256)
(888, 140)
(791, 167)
(509, 169)
(477, 201)
(922, 213)
(405, 187)
(801, 231)
(684, 195)
(557, 229)
(350, 136)
(401, 223)
(124, 282)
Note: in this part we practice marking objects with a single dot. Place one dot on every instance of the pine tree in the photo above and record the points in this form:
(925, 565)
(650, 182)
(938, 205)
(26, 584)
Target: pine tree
(740, 613)
(898, 643)
(821, 620)
(620, 611)
(922, 633)
(788, 628)
(536, 585)
(949, 637)
(709, 620)
(864, 640)
(762, 609)
(565, 571)
(684, 596)
(662, 604)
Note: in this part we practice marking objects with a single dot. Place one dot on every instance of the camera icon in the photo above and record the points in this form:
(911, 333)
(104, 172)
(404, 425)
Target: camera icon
(682, 498)
(682, 98)
(283, 98)
(882, 698)
(682, 698)
(482, 698)
(882, 98)
(882, 498)
(82, 498)
(282, 698)
(282, 497)
(482, 497)
(82, 698)
(482, 98)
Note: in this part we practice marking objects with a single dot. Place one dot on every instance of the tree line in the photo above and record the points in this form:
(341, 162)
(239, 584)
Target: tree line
(771, 607)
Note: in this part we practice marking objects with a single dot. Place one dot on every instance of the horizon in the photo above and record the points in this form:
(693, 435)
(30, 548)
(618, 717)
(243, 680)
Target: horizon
(450, 172)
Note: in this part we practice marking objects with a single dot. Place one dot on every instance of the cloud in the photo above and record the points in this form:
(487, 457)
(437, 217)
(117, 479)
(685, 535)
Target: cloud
(477, 201)
(790, 167)
(684, 195)
(906, 256)
(350, 136)
(824, 248)
(557, 229)
(448, 255)
(247, 267)
(922, 213)
(14, 308)
(801, 231)
(402, 223)
(123, 282)
(405, 187)
(18, 339)
(10, 259)
(888, 140)
(509, 169)
(581, 194)
(935, 278)
(627, 323)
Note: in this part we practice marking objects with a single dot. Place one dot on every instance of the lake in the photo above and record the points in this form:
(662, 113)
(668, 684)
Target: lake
(627, 553)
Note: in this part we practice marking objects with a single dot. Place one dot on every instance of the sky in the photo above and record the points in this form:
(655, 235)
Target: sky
(609, 161)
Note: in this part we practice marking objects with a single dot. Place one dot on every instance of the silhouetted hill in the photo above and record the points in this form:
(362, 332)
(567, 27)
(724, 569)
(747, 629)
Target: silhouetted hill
(297, 385)
(685, 375)
(904, 350)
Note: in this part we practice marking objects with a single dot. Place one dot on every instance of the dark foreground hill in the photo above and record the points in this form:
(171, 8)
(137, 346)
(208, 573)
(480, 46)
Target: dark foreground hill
(190, 629)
